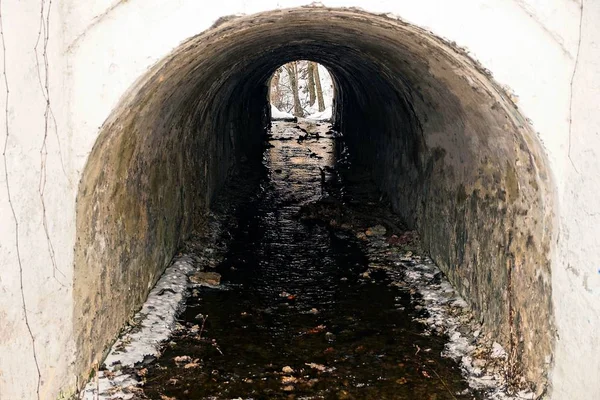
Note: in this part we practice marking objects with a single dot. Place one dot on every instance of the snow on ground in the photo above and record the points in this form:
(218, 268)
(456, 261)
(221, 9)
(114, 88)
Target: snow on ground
(321, 116)
(448, 312)
(277, 114)
(151, 326)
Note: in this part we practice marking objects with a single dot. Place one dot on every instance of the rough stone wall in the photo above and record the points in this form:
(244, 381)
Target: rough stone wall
(156, 166)
(465, 170)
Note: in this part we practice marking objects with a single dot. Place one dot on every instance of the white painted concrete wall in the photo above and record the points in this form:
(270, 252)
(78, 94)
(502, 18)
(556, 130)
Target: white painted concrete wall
(34, 180)
(576, 272)
(98, 48)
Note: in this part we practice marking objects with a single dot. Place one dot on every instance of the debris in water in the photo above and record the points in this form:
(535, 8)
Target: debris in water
(377, 230)
(182, 359)
(287, 370)
(316, 329)
(319, 367)
(210, 279)
(288, 379)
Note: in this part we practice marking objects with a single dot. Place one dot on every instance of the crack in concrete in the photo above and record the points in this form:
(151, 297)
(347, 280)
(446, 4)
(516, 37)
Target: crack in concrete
(555, 37)
(12, 208)
(44, 36)
(571, 85)
(45, 28)
(95, 21)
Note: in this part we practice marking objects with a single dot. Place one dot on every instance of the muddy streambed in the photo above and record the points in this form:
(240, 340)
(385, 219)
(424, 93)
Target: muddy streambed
(308, 305)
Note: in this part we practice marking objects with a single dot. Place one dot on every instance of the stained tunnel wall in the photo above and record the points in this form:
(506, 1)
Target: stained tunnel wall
(447, 146)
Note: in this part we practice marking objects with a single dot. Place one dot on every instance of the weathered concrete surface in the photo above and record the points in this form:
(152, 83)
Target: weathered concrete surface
(576, 276)
(97, 51)
(37, 190)
(466, 171)
(156, 165)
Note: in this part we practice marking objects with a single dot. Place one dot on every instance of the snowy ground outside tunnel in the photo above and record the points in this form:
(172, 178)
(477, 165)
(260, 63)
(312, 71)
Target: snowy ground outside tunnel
(304, 285)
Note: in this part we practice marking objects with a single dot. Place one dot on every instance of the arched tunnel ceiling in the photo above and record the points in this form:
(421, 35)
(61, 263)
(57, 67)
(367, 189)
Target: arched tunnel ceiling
(452, 152)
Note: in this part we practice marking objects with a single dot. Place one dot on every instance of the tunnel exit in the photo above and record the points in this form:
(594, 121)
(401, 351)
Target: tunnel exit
(301, 88)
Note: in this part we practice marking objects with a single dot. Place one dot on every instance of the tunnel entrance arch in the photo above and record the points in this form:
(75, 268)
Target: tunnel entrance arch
(444, 141)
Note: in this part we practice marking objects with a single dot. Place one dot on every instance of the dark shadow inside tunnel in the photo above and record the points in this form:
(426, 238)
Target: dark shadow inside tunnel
(443, 141)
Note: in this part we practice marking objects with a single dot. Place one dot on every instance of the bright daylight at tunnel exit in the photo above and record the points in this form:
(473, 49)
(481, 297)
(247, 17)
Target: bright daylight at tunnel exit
(279, 200)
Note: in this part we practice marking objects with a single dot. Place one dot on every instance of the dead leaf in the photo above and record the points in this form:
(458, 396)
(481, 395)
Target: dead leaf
(182, 359)
(316, 329)
(359, 349)
(319, 367)
(288, 379)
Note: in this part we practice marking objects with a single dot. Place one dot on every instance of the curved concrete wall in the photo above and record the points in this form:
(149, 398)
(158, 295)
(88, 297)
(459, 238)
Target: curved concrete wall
(96, 51)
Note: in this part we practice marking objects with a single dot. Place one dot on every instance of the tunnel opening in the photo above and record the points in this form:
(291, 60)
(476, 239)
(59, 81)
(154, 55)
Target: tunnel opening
(457, 160)
(301, 89)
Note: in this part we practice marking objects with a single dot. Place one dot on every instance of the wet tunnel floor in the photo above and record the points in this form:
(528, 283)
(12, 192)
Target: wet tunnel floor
(300, 312)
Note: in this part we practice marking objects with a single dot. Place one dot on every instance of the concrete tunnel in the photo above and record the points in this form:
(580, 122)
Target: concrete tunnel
(443, 140)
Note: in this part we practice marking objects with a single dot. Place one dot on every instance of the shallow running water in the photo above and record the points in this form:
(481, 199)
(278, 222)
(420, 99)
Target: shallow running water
(295, 316)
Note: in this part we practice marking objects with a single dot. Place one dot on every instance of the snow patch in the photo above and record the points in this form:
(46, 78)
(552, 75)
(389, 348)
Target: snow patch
(324, 115)
(277, 114)
(151, 326)
(498, 351)
(449, 313)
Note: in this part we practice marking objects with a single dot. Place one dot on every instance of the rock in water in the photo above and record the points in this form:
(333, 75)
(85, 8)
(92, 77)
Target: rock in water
(287, 370)
(206, 278)
(377, 230)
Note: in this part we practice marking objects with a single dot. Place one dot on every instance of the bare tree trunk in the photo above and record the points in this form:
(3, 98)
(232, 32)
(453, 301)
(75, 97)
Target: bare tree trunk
(320, 98)
(275, 94)
(311, 83)
(292, 69)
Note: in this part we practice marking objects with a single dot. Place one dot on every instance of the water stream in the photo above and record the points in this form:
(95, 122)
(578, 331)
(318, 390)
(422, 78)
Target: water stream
(297, 314)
